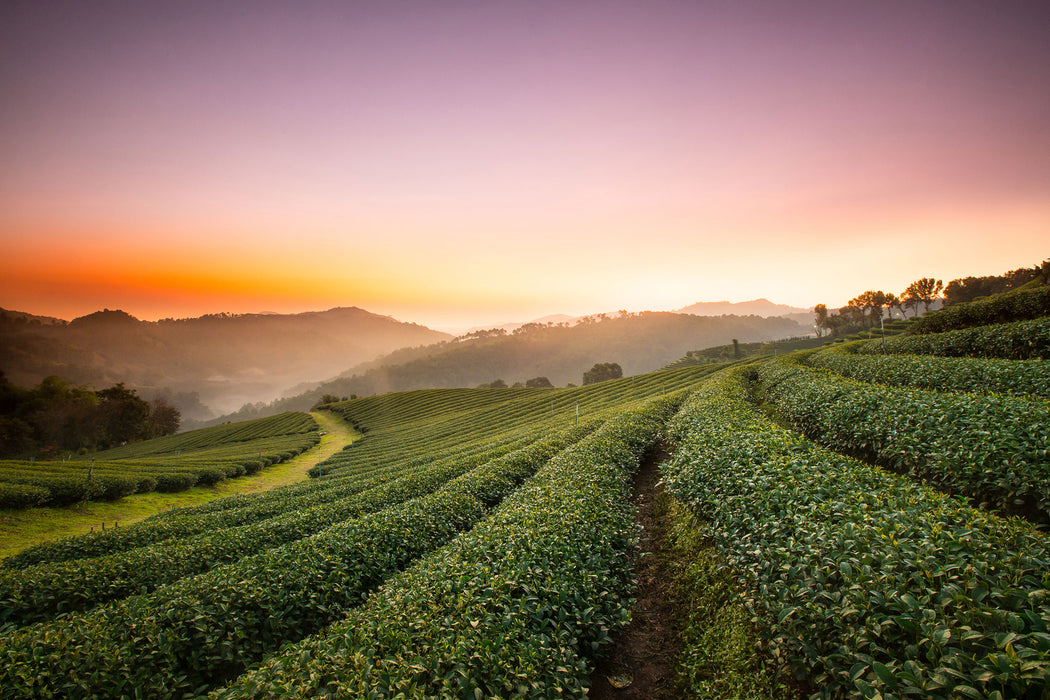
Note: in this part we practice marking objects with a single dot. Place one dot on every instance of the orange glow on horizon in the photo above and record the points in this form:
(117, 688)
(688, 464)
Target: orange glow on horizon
(511, 161)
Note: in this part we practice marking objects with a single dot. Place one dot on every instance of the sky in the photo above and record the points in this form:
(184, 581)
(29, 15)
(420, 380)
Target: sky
(457, 163)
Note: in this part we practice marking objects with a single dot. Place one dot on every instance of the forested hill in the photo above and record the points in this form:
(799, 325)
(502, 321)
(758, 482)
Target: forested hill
(638, 342)
(225, 360)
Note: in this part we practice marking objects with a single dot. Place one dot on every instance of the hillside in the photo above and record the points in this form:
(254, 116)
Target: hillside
(225, 360)
(497, 532)
(638, 342)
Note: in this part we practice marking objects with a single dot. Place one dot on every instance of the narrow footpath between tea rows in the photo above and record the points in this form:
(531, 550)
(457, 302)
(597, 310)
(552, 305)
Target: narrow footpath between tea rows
(639, 665)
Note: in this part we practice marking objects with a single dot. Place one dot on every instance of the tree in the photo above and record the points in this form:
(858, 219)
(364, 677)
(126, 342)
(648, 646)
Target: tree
(870, 303)
(925, 290)
(820, 312)
(494, 384)
(124, 416)
(164, 418)
(538, 383)
(601, 372)
(325, 400)
(1042, 271)
(893, 302)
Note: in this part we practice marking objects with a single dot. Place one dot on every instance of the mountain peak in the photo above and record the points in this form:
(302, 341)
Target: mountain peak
(105, 317)
(757, 307)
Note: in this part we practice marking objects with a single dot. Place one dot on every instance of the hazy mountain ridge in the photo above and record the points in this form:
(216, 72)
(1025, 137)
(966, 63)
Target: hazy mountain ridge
(639, 343)
(759, 307)
(225, 359)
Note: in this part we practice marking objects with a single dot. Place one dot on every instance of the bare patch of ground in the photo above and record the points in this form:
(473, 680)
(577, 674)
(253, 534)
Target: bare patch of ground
(639, 664)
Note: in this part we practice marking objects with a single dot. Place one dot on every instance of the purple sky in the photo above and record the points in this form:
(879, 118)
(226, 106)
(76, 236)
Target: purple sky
(459, 163)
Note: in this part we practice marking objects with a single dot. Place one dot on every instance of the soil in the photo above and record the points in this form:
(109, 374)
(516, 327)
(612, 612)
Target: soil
(639, 664)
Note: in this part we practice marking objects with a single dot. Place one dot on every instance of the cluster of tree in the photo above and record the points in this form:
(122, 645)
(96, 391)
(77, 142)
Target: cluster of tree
(865, 310)
(494, 384)
(602, 371)
(330, 398)
(970, 288)
(534, 383)
(55, 417)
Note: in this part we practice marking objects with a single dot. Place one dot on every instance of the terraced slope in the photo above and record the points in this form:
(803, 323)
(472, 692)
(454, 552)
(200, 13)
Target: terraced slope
(168, 464)
(188, 599)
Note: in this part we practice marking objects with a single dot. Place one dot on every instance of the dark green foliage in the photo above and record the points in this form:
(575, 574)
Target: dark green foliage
(22, 495)
(721, 652)
(601, 372)
(187, 634)
(190, 634)
(1018, 305)
(55, 418)
(872, 583)
(970, 288)
(1031, 377)
(991, 448)
(1022, 340)
(42, 591)
(168, 464)
(516, 607)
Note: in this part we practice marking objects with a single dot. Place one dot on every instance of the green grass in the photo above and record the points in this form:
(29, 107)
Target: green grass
(720, 646)
(22, 528)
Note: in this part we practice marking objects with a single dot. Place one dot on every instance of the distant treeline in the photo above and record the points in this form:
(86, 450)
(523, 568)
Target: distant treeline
(55, 418)
(866, 309)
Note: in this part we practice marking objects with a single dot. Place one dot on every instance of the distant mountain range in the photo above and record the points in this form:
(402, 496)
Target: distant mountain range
(218, 361)
(510, 327)
(562, 352)
(221, 362)
(757, 307)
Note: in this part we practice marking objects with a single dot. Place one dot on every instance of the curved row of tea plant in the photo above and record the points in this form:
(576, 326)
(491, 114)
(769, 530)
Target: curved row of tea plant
(417, 422)
(205, 438)
(1017, 305)
(1024, 340)
(240, 511)
(869, 584)
(502, 422)
(63, 483)
(176, 525)
(43, 591)
(1031, 377)
(187, 636)
(517, 607)
(995, 449)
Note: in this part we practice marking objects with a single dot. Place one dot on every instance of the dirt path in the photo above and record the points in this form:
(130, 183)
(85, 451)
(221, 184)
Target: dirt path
(639, 663)
(22, 528)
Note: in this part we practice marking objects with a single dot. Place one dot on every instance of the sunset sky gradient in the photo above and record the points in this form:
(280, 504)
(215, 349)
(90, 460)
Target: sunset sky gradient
(458, 163)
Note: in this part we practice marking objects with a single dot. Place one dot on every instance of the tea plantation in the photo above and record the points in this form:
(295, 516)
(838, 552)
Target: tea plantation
(880, 515)
(172, 463)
